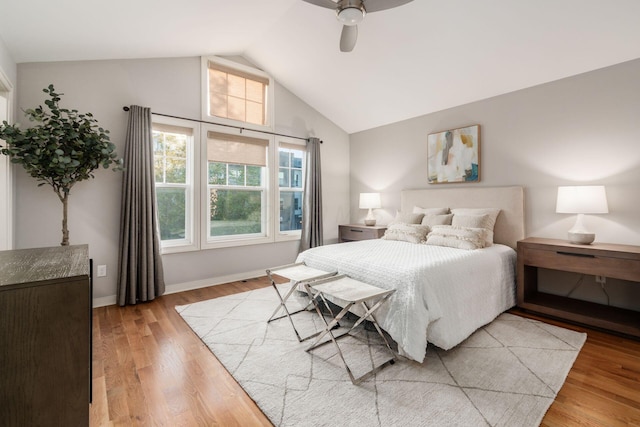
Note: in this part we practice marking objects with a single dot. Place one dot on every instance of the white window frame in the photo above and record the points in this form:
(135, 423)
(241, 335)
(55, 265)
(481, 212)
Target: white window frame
(208, 242)
(197, 171)
(191, 241)
(291, 234)
(269, 103)
(6, 170)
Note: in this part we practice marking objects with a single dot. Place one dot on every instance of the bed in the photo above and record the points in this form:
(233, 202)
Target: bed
(443, 294)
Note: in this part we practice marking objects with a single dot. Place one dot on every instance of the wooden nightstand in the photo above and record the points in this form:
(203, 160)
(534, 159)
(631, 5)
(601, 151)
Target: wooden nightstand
(351, 232)
(600, 259)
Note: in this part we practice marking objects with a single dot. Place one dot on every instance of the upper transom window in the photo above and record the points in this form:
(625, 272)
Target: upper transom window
(236, 93)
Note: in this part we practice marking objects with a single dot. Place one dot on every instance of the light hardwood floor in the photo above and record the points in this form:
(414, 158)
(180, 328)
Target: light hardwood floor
(150, 369)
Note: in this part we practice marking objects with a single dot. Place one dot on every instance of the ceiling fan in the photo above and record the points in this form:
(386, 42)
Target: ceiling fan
(351, 13)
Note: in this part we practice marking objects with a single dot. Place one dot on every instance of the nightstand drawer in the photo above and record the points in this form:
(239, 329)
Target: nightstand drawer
(351, 232)
(591, 264)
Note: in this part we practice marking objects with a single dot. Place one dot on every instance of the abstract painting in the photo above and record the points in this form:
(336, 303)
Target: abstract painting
(454, 155)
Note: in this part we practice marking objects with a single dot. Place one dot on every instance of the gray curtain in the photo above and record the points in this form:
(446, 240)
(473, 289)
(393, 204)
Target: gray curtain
(312, 208)
(140, 273)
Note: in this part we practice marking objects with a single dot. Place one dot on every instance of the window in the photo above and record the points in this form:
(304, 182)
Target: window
(236, 187)
(291, 184)
(173, 151)
(235, 93)
(217, 186)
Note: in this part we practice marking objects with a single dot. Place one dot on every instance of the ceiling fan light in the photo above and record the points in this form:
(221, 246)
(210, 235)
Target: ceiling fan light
(351, 15)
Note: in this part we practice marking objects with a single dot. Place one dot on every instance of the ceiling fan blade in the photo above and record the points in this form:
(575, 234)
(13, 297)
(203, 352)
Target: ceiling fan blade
(377, 5)
(348, 38)
(329, 4)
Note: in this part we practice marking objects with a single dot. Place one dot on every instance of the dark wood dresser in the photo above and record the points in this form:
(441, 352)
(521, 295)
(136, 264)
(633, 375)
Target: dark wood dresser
(45, 336)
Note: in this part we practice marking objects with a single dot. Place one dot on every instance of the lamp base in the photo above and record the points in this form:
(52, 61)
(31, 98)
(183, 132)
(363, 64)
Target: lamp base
(370, 219)
(579, 235)
(581, 238)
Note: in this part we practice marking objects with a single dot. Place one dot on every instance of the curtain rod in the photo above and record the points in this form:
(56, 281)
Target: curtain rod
(125, 108)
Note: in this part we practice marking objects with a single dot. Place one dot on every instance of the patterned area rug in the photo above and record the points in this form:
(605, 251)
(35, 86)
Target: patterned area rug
(506, 374)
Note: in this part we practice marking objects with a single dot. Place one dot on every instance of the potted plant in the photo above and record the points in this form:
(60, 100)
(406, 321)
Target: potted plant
(63, 148)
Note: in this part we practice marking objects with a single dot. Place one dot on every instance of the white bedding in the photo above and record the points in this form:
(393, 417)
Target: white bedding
(442, 294)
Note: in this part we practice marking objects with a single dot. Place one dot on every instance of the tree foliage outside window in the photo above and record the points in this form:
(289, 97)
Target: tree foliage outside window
(171, 213)
(236, 212)
(234, 208)
(170, 168)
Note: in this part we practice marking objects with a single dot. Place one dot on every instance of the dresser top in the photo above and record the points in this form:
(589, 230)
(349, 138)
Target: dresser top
(42, 264)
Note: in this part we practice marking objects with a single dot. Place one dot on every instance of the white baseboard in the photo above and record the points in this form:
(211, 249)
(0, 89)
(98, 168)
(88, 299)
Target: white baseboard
(104, 301)
(188, 286)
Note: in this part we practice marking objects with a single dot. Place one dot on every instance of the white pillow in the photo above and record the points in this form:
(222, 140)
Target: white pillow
(457, 237)
(451, 242)
(432, 220)
(431, 211)
(412, 233)
(407, 218)
(475, 221)
(492, 212)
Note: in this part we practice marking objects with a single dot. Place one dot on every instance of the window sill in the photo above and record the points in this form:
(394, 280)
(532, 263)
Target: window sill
(173, 249)
(287, 237)
(283, 237)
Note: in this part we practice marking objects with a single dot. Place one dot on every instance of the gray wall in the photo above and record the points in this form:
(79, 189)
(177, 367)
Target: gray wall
(170, 86)
(577, 131)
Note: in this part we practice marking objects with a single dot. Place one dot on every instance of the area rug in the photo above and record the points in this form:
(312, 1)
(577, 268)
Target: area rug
(506, 374)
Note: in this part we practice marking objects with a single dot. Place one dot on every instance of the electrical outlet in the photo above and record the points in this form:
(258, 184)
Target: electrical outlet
(601, 279)
(102, 271)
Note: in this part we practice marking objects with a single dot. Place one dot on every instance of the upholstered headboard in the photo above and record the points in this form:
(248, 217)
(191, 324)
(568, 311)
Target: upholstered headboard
(509, 226)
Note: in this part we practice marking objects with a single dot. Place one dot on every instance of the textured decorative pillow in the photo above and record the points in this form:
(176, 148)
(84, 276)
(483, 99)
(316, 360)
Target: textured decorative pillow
(431, 211)
(457, 237)
(408, 218)
(475, 221)
(412, 233)
(432, 220)
(451, 242)
(492, 212)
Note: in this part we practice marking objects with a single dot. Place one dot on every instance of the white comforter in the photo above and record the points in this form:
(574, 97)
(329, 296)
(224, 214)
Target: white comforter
(442, 294)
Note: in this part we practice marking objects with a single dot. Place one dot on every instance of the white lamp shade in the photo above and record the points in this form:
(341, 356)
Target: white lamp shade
(585, 199)
(370, 201)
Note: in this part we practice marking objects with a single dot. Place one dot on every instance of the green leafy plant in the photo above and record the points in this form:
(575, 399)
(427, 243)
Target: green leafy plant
(63, 148)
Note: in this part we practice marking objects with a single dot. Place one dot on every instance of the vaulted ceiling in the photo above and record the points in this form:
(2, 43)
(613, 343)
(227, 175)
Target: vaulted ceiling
(425, 56)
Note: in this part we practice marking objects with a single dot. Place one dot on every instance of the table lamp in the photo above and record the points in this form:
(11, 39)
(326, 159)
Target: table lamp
(587, 199)
(370, 201)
